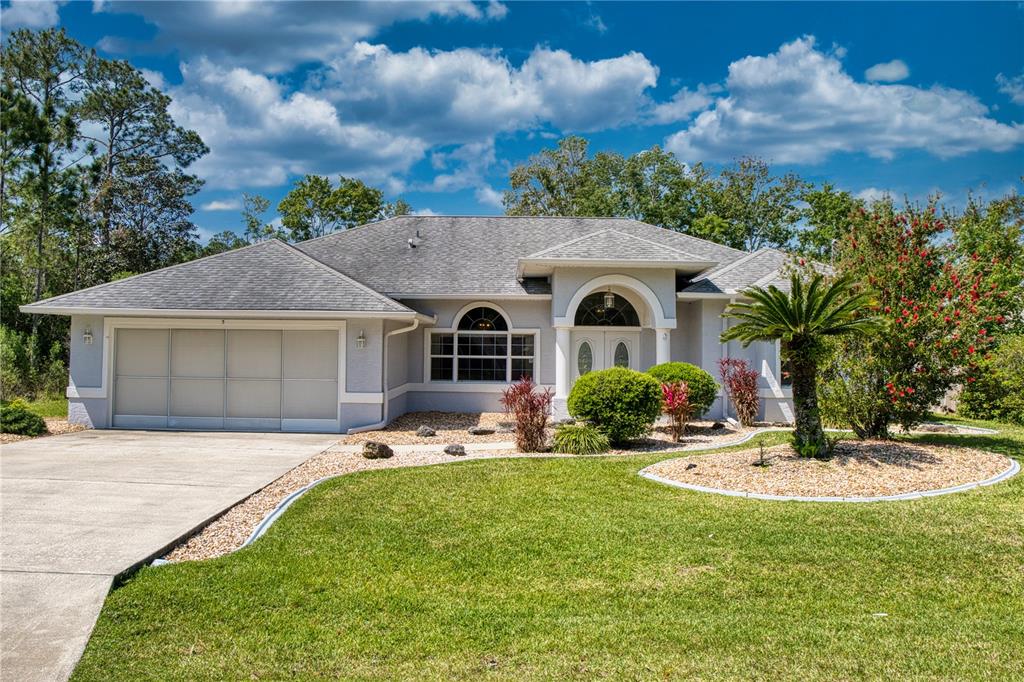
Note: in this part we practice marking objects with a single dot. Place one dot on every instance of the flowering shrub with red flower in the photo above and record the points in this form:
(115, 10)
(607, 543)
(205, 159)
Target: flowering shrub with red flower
(740, 382)
(675, 402)
(946, 288)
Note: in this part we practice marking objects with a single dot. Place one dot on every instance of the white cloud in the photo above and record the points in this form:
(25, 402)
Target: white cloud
(260, 135)
(798, 105)
(30, 14)
(890, 72)
(424, 211)
(684, 104)
(595, 22)
(1012, 87)
(870, 194)
(222, 205)
(488, 196)
(465, 95)
(274, 37)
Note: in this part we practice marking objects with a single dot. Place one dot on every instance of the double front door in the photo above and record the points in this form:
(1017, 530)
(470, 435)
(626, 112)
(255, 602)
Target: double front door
(600, 349)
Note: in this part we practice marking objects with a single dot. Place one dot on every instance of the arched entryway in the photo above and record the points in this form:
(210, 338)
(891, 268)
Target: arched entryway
(603, 325)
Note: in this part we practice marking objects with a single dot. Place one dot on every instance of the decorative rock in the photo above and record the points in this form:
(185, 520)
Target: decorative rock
(480, 430)
(425, 432)
(374, 450)
(717, 426)
(691, 465)
(455, 450)
(506, 427)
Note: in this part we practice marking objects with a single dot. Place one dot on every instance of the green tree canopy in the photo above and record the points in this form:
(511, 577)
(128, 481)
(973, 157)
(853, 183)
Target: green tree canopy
(314, 208)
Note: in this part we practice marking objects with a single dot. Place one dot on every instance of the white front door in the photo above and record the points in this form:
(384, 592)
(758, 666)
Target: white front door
(600, 349)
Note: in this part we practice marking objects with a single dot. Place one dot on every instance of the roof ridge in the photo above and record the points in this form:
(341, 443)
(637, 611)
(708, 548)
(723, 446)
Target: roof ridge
(153, 272)
(337, 233)
(338, 273)
(592, 235)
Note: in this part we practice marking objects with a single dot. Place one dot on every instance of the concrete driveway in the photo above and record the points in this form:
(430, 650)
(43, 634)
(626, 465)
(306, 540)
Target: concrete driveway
(77, 510)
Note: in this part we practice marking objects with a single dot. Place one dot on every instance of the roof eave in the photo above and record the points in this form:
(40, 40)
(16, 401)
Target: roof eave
(226, 314)
(544, 266)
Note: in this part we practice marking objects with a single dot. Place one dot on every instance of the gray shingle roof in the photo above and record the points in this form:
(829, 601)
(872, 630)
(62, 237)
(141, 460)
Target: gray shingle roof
(475, 255)
(613, 245)
(270, 275)
(758, 268)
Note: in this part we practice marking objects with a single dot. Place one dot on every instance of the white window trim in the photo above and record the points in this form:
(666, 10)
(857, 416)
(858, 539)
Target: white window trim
(454, 330)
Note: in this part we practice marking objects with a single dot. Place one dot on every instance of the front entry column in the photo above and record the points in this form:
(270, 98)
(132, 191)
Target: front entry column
(663, 345)
(562, 352)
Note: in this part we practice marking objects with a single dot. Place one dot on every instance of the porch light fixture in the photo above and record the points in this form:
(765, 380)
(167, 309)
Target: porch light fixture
(87, 336)
(609, 300)
(361, 340)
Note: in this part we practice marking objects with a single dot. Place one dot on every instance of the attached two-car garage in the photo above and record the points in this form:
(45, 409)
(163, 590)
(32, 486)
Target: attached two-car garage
(227, 378)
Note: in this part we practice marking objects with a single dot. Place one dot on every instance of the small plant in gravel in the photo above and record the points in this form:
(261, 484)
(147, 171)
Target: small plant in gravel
(16, 417)
(620, 403)
(740, 382)
(530, 407)
(675, 402)
(579, 439)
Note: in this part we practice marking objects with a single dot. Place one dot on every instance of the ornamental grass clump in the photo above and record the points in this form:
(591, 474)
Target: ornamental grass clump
(530, 407)
(675, 402)
(620, 403)
(740, 381)
(579, 439)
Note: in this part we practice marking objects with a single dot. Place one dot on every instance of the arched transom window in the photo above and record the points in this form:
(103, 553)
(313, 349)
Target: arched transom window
(594, 311)
(481, 347)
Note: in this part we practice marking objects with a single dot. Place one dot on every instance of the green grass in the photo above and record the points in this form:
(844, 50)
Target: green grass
(578, 568)
(56, 406)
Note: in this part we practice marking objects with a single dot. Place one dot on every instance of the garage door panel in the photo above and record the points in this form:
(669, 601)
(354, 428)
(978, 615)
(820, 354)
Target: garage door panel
(197, 353)
(310, 354)
(254, 353)
(309, 400)
(141, 352)
(140, 396)
(254, 398)
(197, 397)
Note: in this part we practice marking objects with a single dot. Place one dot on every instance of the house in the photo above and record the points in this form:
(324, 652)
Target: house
(412, 313)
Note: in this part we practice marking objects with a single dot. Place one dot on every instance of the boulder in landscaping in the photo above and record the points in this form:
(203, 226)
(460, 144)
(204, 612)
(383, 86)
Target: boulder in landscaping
(480, 430)
(455, 450)
(717, 426)
(425, 432)
(374, 450)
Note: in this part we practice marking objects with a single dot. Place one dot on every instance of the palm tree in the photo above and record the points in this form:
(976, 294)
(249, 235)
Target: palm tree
(801, 319)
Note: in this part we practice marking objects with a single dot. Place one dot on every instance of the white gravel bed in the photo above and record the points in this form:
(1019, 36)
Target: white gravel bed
(451, 427)
(859, 469)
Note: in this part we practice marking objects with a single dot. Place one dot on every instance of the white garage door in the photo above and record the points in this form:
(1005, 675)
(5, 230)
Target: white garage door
(261, 379)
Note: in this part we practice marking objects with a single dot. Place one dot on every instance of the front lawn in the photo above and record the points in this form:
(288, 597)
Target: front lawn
(53, 406)
(578, 568)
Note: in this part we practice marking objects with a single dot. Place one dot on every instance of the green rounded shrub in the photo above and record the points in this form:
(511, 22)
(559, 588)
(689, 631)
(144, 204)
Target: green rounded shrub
(16, 417)
(620, 403)
(702, 386)
(579, 439)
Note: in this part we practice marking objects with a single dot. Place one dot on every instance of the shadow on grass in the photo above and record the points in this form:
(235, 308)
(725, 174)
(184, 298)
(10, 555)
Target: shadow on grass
(1004, 445)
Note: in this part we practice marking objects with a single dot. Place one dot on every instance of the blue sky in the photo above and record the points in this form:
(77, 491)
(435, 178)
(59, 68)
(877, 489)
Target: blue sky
(435, 102)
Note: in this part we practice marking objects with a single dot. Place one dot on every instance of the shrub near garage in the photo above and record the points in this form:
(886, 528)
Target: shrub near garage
(701, 386)
(621, 403)
(17, 418)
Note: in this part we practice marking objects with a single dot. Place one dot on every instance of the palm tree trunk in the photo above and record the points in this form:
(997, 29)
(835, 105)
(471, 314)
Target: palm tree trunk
(805, 402)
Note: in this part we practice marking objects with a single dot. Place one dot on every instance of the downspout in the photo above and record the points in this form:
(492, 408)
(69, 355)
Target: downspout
(384, 381)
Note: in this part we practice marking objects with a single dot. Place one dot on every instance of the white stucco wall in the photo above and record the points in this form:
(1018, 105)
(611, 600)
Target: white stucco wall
(567, 281)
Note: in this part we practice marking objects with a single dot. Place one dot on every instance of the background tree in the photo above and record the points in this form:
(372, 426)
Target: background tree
(314, 208)
(802, 320)
(828, 215)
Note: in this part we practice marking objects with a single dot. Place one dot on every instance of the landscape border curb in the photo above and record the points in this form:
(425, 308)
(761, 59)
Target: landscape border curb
(1009, 472)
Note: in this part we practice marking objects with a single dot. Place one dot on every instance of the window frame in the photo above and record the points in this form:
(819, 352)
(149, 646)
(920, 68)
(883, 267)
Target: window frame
(456, 333)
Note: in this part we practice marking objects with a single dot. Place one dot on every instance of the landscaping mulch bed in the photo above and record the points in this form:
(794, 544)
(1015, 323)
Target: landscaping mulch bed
(858, 469)
(54, 425)
(451, 427)
(700, 435)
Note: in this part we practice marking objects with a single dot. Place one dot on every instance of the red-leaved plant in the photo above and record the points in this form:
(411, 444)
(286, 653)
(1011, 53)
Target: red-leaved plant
(740, 382)
(531, 407)
(675, 402)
